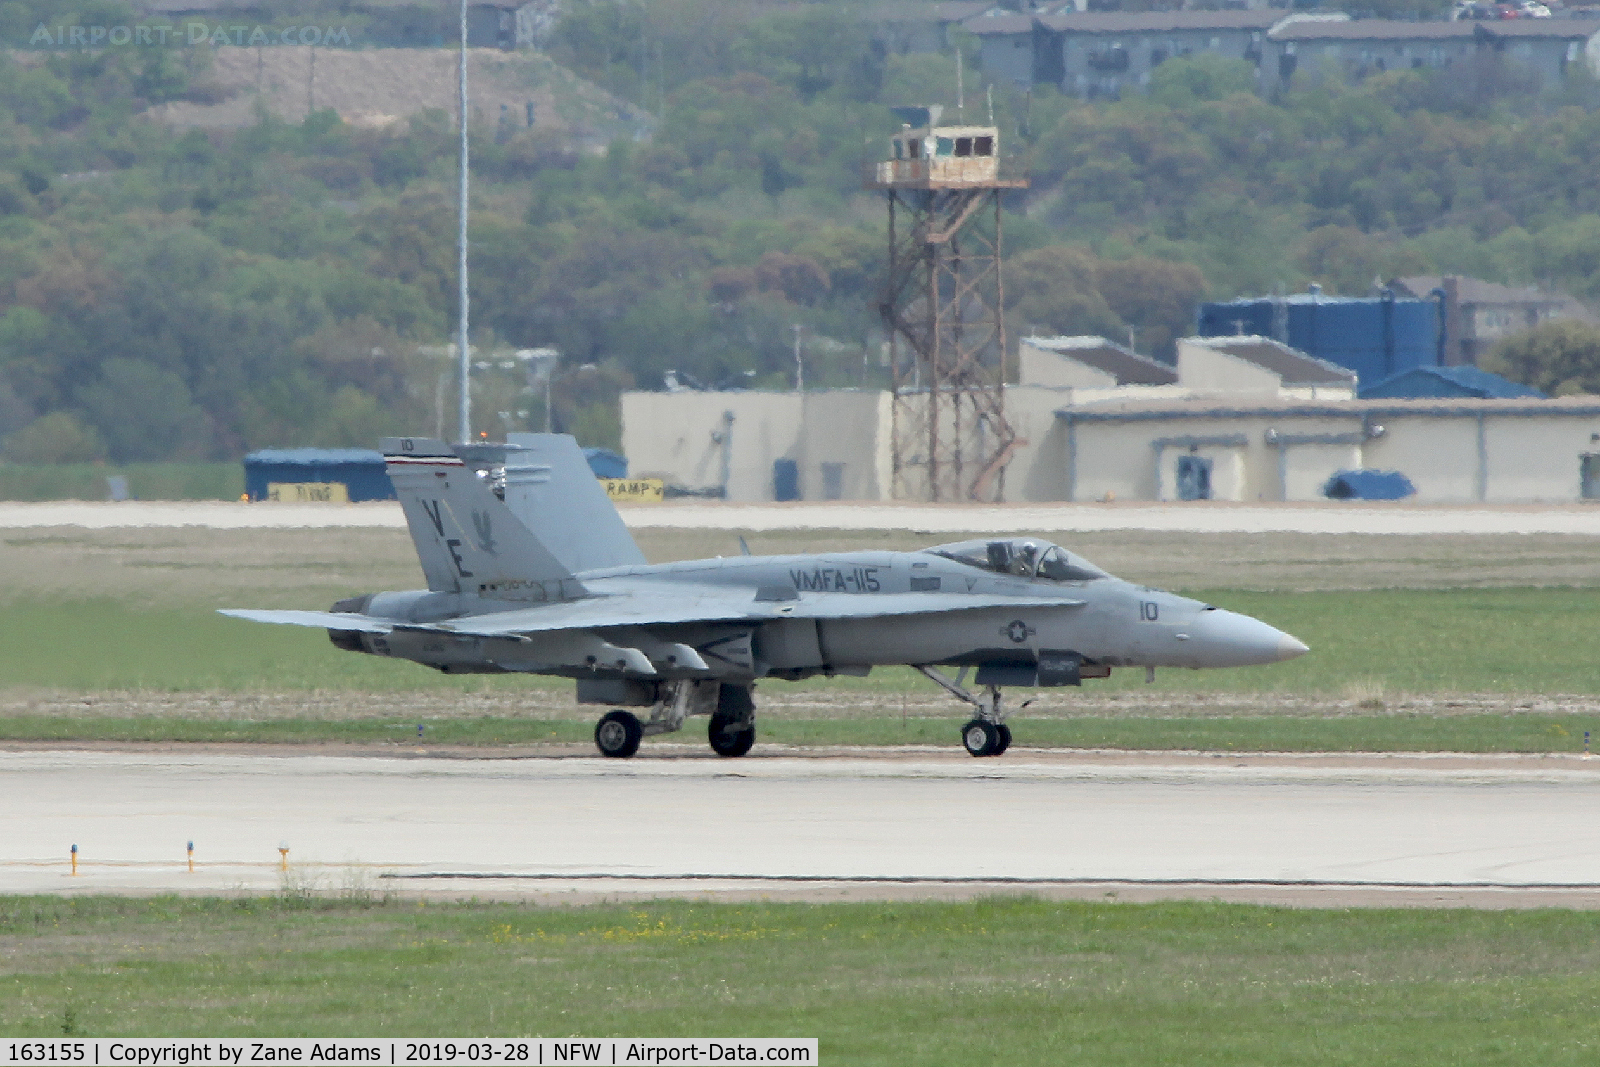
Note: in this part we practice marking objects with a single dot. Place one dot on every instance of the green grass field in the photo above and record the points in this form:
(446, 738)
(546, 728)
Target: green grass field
(146, 481)
(1491, 640)
(105, 624)
(1004, 980)
(1370, 649)
(1520, 732)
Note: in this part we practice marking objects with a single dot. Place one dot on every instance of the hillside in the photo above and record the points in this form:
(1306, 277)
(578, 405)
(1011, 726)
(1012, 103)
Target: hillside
(209, 283)
(377, 87)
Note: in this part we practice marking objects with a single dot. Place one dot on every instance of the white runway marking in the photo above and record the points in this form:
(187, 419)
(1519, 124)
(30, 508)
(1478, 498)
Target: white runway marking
(1185, 518)
(353, 819)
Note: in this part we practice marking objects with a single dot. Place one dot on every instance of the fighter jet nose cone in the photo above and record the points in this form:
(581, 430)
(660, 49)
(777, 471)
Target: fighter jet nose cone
(1228, 639)
(1289, 647)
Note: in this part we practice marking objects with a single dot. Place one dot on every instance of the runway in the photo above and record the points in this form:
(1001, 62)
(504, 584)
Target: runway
(1194, 517)
(1492, 831)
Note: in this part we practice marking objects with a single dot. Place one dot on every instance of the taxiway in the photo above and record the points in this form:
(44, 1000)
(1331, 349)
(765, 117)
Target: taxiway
(1493, 831)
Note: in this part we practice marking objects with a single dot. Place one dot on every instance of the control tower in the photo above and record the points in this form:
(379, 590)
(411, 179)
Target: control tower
(941, 304)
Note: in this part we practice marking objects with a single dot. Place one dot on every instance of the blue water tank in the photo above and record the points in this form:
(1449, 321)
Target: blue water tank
(1377, 337)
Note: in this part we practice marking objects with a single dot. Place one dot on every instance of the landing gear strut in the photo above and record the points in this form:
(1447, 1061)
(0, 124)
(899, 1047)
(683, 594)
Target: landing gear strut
(986, 734)
(732, 711)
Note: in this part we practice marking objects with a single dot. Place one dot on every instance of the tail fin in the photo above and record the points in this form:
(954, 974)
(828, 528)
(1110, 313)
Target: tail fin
(550, 487)
(467, 540)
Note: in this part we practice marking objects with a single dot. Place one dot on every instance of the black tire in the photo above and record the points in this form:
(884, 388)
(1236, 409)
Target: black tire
(728, 737)
(618, 734)
(980, 738)
(1005, 739)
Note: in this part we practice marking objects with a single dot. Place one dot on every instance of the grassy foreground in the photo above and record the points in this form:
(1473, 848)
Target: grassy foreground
(1004, 980)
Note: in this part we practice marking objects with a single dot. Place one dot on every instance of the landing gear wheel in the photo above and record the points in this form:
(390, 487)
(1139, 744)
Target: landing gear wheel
(1005, 739)
(617, 734)
(729, 736)
(980, 738)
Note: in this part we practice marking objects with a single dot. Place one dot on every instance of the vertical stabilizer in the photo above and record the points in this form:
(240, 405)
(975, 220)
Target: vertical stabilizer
(467, 540)
(551, 489)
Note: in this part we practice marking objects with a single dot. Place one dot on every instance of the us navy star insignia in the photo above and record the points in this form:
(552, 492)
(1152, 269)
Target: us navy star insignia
(1018, 631)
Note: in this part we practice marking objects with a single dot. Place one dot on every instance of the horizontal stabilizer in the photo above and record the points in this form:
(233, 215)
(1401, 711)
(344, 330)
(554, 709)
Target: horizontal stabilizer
(331, 620)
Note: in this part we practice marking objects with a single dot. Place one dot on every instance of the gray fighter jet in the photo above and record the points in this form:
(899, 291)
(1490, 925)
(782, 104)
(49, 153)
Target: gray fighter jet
(530, 569)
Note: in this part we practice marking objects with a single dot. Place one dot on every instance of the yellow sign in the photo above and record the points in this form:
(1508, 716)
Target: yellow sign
(637, 490)
(308, 492)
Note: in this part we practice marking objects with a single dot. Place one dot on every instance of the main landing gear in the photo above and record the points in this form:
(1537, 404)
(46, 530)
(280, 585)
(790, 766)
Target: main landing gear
(733, 724)
(618, 734)
(986, 734)
(732, 709)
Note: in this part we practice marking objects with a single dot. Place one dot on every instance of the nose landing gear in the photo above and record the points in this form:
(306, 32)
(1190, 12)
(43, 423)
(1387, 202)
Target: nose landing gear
(982, 738)
(987, 734)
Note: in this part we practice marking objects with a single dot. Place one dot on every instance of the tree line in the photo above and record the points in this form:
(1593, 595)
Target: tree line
(194, 294)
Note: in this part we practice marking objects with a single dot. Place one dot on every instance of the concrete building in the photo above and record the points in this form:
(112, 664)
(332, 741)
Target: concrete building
(1102, 54)
(746, 446)
(503, 24)
(1239, 418)
(1479, 313)
(1012, 47)
(1453, 451)
(1240, 366)
(1301, 51)
(902, 27)
(1087, 363)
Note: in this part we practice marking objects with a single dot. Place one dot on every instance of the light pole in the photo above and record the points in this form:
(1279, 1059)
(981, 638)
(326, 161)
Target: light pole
(799, 364)
(461, 249)
(542, 364)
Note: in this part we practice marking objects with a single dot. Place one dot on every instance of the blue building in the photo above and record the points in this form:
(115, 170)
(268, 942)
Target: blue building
(606, 463)
(1466, 382)
(1377, 337)
(359, 470)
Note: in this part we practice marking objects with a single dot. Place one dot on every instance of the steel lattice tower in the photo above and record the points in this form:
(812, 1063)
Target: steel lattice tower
(942, 307)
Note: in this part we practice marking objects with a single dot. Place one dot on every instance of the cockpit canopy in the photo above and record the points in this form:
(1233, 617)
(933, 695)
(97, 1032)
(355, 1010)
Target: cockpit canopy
(1025, 557)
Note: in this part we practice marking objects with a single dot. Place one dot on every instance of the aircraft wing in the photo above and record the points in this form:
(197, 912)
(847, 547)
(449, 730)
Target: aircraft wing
(680, 604)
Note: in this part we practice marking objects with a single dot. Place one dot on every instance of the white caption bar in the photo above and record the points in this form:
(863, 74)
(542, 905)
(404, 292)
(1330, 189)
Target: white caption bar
(484, 1052)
